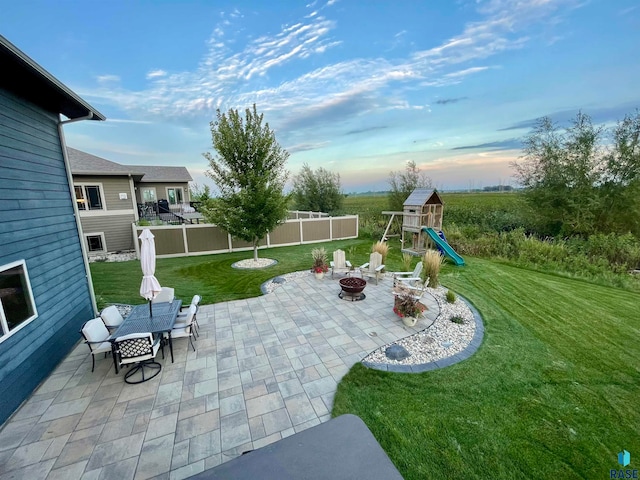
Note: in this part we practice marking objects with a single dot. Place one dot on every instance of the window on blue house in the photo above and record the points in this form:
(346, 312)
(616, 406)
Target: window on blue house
(17, 307)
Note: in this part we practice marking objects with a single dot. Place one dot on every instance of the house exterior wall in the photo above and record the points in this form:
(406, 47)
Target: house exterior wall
(115, 228)
(115, 219)
(161, 190)
(37, 225)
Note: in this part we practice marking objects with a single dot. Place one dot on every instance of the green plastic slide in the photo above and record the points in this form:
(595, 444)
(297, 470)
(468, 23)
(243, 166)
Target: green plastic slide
(444, 246)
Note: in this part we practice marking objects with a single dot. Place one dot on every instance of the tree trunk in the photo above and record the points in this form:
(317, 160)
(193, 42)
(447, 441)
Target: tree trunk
(255, 252)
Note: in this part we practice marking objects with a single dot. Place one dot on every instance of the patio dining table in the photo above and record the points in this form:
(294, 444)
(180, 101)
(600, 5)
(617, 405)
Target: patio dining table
(141, 321)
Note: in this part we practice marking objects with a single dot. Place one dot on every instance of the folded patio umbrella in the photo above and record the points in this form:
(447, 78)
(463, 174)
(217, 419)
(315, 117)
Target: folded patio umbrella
(150, 286)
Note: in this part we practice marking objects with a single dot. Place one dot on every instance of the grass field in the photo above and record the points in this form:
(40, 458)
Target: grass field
(551, 393)
(367, 204)
(212, 275)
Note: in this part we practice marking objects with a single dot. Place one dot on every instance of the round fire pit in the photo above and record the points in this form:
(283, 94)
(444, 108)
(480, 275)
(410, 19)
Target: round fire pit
(352, 288)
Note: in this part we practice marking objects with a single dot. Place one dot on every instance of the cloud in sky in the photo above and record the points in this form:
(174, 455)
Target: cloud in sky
(447, 101)
(366, 99)
(510, 144)
(228, 76)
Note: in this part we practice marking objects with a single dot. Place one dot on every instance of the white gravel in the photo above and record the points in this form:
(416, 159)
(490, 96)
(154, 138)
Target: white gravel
(442, 339)
(251, 263)
(113, 257)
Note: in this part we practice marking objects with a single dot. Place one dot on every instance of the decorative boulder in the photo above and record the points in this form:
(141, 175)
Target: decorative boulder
(396, 352)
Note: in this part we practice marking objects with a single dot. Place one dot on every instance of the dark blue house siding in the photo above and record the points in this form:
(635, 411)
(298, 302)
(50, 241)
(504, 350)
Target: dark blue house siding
(37, 224)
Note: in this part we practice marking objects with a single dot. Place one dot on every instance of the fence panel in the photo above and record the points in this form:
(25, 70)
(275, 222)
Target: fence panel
(169, 241)
(205, 239)
(285, 234)
(316, 230)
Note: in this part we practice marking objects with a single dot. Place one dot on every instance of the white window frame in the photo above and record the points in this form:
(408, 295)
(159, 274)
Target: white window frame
(83, 185)
(3, 318)
(95, 234)
(155, 194)
(175, 188)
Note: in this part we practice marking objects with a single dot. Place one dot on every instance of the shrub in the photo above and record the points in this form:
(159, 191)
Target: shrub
(451, 297)
(457, 319)
(431, 264)
(382, 248)
(406, 261)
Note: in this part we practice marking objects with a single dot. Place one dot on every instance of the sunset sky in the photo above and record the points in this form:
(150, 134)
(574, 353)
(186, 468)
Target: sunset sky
(357, 87)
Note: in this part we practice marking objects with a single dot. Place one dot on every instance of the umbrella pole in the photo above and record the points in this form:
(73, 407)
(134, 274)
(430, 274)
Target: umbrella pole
(150, 309)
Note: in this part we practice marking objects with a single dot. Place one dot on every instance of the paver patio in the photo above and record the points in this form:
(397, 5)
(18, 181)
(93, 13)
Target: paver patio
(264, 368)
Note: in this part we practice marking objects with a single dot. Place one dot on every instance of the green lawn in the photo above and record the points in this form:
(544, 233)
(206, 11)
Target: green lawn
(553, 392)
(212, 276)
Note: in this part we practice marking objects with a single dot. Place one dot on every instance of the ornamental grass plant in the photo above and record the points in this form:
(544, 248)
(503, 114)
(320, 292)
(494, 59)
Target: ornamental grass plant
(431, 265)
(320, 262)
(382, 248)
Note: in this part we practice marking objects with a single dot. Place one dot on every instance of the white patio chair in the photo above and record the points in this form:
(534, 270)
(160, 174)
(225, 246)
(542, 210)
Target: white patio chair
(340, 264)
(111, 317)
(373, 268)
(184, 327)
(184, 312)
(96, 336)
(411, 279)
(166, 295)
(139, 349)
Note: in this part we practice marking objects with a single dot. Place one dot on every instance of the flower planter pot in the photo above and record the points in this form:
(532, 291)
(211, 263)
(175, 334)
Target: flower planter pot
(319, 275)
(409, 321)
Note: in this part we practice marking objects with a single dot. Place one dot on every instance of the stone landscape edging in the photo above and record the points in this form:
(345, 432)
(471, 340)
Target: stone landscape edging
(473, 346)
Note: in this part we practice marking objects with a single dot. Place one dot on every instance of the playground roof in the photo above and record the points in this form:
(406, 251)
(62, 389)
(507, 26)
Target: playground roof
(420, 196)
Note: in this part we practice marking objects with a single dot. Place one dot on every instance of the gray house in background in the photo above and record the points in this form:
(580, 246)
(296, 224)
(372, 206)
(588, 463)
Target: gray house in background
(109, 196)
(45, 282)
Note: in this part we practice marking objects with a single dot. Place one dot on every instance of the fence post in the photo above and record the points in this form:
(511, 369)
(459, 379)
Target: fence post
(230, 242)
(330, 228)
(301, 235)
(135, 240)
(184, 239)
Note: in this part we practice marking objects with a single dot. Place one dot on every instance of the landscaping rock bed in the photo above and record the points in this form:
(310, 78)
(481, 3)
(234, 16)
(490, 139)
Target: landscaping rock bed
(440, 340)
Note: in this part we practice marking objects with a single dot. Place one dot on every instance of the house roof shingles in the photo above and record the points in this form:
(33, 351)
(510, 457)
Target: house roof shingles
(162, 174)
(83, 163)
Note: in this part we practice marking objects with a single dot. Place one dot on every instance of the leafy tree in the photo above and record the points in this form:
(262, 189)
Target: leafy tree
(200, 194)
(621, 189)
(249, 172)
(317, 191)
(403, 183)
(576, 182)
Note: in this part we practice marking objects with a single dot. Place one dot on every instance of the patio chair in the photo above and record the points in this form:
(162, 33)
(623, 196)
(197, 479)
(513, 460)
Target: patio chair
(140, 350)
(408, 278)
(182, 316)
(111, 317)
(184, 326)
(373, 268)
(96, 336)
(166, 295)
(339, 263)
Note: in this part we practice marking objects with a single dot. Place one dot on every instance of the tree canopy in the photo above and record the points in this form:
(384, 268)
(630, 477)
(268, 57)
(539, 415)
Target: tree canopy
(249, 170)
(403, 183)
(318, 190)
(584, 178)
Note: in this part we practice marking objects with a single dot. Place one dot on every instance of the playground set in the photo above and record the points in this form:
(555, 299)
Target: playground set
(422, 225)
